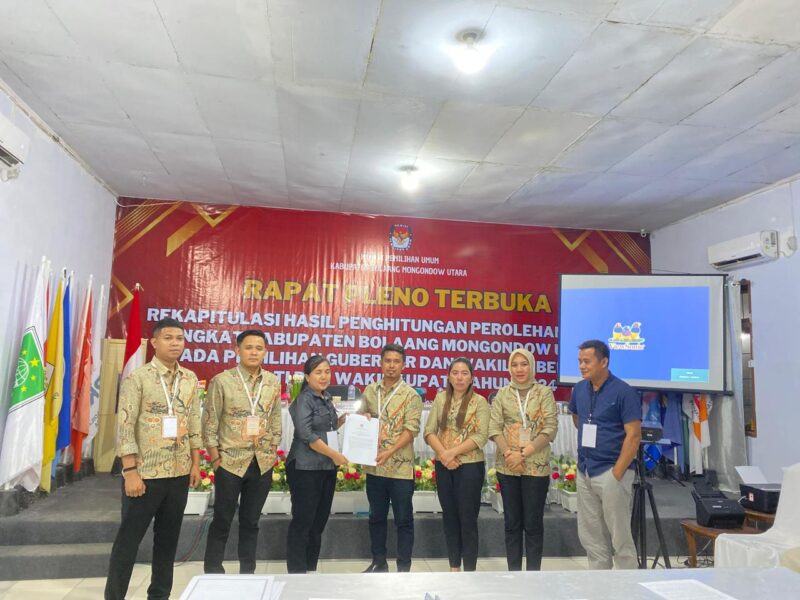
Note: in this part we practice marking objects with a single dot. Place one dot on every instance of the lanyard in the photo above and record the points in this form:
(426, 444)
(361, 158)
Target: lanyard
(592, 403)
(523, 412)
(253, 402)
(169, 398)
(389, 397)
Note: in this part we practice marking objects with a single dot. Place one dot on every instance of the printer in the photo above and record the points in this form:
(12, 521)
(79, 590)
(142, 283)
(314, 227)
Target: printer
(762, 497)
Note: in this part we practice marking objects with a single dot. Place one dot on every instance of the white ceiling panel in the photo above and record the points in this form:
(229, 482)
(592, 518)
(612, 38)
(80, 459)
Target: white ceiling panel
(255, 192)
(70, 87)
(191, 157)
(449, 138)
(595, 8)
(34, 29)
(143, 184)
(213, 190)
(761, 96)
(492, 183)
(393, 124)
(716, 193)
(317, 165)
(676, 147)
(340, 31)
(128, 31)
(551, 187)
(251, 161)
(690, 13)
(775, 20)
(237, 108)
(787, 120)
(314, 198)
(617, 59)
(230, 39)
(538, 136)
(607, 143)
(662, 191)
(777, 166)
(701, 73)
(155, 99)
(376, 172)
(314, 119)
(607, 188)
(736, 154)
(109, 147)
(633, 11)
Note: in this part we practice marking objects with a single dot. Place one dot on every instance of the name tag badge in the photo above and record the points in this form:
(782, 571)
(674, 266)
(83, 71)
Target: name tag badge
(253, 425)
(333, 440)
(169, 426)
(524, 436)
(589, 437)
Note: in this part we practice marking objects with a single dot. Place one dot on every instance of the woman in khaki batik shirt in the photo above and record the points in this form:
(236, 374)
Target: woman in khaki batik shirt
(523, 423)
(457, 430)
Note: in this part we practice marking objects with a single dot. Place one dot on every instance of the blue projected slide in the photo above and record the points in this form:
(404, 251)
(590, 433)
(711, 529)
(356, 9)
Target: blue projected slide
(662, 337)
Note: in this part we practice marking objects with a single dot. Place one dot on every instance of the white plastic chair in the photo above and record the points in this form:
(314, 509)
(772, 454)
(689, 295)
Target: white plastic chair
(766, 549)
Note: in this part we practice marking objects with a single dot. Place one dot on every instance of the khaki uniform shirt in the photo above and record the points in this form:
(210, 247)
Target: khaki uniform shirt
(225, 420)
(506, 420)
(476, 425)
(402, 413)
(142, 408)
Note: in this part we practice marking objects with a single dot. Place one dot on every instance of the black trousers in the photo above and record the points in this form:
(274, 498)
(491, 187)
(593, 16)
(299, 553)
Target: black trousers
(381, 491)
(312, 496)
(254, 488)
(164, 500)
(524, 498)
(459, 493)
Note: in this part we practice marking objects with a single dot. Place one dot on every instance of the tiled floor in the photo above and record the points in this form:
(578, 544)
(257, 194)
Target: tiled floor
(92, 588)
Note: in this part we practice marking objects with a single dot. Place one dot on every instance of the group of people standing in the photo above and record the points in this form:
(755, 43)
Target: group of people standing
(161, 430)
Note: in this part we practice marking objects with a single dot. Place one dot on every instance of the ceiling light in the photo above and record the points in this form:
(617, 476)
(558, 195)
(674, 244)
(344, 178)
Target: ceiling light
(468, 56)
(409, 180)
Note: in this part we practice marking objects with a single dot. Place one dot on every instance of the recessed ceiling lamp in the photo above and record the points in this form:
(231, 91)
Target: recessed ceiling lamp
(468, 56)
(409, 178)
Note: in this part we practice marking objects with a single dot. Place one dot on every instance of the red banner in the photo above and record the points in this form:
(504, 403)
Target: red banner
(343, 285)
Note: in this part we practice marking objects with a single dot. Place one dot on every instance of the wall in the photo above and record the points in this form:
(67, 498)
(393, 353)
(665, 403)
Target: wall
(775, 304)
(54, 208)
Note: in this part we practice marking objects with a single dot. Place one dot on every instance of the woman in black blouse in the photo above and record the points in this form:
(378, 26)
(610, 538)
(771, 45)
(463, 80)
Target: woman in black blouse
(311, 466)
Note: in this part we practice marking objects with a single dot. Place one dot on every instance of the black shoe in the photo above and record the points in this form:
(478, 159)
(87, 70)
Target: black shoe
(377, 568)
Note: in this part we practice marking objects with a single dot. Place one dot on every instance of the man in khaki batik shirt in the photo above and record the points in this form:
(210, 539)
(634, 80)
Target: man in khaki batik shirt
(242, 431)
(158, 439)
(399, 408)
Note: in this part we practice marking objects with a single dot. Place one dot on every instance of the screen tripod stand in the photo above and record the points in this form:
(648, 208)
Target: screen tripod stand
(643, 490)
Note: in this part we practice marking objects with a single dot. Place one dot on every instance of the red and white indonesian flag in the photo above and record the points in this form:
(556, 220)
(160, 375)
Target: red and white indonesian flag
(21, 454)
(134, 358)
(94, 397)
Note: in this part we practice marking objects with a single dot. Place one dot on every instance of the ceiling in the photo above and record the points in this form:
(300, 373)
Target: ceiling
(619, 114)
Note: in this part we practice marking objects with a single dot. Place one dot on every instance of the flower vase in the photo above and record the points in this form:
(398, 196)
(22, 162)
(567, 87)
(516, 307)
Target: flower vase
(426, 502)
(197, 503)
(277, 503)
(569, 500)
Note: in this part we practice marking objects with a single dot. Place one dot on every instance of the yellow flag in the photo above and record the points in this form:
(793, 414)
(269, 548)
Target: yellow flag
(55, 384)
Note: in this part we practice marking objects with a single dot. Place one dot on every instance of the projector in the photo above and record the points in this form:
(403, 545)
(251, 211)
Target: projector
(762, 497)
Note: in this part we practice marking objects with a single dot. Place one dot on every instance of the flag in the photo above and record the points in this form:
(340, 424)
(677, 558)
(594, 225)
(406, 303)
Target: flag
(65, 412)
(54, 385)
(696, 407)
(94, 399)
(21, 454)
(133, 342)
(82, 381)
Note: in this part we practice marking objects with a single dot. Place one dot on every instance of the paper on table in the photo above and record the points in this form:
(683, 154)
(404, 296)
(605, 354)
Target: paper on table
(685, 589)
(360, 443)
(750, 475)
(213, 587)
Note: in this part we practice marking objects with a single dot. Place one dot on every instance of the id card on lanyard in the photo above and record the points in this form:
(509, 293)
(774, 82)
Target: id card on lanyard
(589, 430)
(253, 421)
(525, 430)
(169, 423)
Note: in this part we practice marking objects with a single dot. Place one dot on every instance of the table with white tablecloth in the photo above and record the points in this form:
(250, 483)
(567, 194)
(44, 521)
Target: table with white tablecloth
(565, 444)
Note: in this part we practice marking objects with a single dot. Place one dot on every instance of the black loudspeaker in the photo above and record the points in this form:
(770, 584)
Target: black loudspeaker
(719, 513)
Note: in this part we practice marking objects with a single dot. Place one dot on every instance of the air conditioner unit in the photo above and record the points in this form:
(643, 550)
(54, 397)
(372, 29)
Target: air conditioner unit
(13, 144)
(750, 249)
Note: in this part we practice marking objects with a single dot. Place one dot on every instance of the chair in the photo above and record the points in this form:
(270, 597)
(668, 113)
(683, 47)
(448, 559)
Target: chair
(766, 549)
